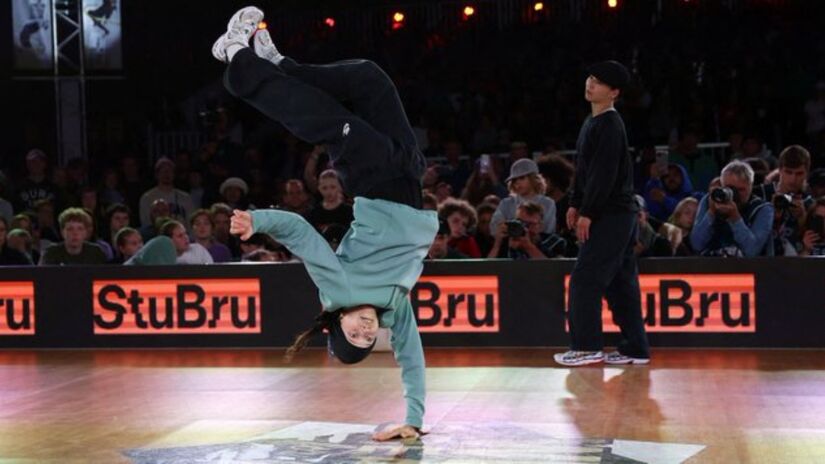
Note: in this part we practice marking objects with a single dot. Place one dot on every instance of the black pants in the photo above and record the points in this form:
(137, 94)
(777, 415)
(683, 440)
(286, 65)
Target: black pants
(372, 147)
(606, 267)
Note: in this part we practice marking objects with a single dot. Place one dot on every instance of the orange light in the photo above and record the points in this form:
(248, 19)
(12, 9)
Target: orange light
(612, 3)
(330, 22)
(262, 25)
(469, 11)
(398, 17)
(539, 6)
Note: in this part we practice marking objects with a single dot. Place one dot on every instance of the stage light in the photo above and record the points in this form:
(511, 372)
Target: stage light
(612, 3)
(469, 11)
(330, 22)
(262, 25)
(539, 6)
(398, 20)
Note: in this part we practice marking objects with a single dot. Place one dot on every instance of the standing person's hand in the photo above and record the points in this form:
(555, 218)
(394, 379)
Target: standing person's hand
(241, 224)
(583, 229)
(572, 218)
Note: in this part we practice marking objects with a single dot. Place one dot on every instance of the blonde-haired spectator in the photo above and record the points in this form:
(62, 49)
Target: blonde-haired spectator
(678, 226)
(525, 185)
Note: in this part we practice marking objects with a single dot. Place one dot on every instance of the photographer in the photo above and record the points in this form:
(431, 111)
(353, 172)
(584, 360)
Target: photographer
(813, 239)
(731, 221)
(790, 200)
(523, 238)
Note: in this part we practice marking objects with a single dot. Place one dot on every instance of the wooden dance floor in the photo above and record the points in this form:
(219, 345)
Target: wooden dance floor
(502, 406)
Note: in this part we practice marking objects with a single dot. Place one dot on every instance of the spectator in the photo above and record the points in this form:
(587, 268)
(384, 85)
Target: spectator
(258, 241)
(233, 192)
(482, 182)
(36, 185)
(558, 176)
(179, 202)
(75, 224)
(117, 217)
(790, 200)
(813, 241)
(333, 234)
(295, 198)
(761, 170)
(89, 202)
(92, 237)
(196, 189)
(816, 182)
(682, 218)
(6, 207)
(731, 221)
(46, 224)
(701, 167)
(332, 209)
(221, 214)
(662, 194)
(815, 112)
(461, 218)
(187, 253)
(483, 237)
(649, 243)
(523, 237)
(457, 170)
(134, 183)
(21, 240)
(159, 213)
(429, 202)
(10, 256)
(526, 185)
(440, 248)
(127, 242)
(110, 193)
(202, 227)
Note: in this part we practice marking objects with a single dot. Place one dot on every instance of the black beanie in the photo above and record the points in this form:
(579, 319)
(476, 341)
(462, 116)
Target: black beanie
(611, 73)
(341, 348)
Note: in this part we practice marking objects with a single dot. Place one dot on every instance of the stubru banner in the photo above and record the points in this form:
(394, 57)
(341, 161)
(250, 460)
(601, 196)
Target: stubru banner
(464, 304)
(712, 303)
(17, 308)
(203, 306)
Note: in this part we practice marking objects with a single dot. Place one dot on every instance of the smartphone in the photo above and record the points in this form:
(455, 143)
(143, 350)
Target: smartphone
(662, 160)
(816, 223)
(484, 164)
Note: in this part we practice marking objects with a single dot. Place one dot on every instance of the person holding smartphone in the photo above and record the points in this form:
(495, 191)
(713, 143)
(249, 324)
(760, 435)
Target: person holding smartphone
(813, 240)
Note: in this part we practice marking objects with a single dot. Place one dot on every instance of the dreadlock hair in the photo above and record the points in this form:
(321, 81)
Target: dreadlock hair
(323, 321)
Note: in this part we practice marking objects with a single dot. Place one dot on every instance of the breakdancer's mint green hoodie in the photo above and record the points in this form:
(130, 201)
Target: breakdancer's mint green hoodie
(377, 263)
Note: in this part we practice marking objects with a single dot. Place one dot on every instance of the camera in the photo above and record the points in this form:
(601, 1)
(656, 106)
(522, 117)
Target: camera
(515, 229)
(721, 194)
(782, 201)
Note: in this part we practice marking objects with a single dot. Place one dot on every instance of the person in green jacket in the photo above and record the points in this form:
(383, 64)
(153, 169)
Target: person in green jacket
(364, 284)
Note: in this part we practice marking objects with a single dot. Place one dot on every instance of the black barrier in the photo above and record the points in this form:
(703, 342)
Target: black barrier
(687, 302)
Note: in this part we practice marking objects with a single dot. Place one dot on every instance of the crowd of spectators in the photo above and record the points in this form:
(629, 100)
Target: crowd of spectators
(495, 110)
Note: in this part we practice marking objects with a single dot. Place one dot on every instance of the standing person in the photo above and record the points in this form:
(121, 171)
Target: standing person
(603, 212)
(364, 284)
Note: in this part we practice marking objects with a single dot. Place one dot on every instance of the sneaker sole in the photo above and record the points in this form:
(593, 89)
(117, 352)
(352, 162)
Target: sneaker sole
(580, 363)
(628, 361)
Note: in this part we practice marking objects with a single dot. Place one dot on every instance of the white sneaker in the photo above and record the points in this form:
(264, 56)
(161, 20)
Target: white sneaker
(578, 358)
(265, 48)
(617, 358)
(239, 30)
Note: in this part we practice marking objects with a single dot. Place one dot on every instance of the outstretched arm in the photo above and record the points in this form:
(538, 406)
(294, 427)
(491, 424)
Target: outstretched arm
(409, 354)
(295, 233)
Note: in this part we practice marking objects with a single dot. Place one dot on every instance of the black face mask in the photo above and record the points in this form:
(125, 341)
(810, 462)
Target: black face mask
(341, 348)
